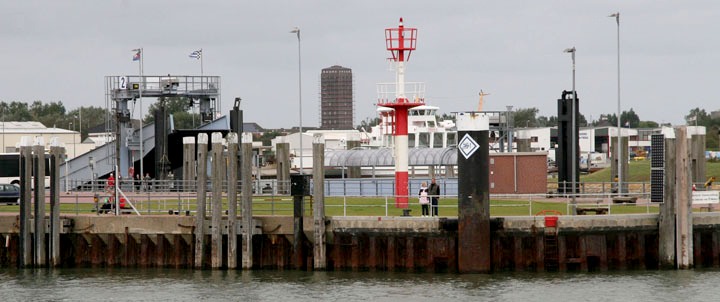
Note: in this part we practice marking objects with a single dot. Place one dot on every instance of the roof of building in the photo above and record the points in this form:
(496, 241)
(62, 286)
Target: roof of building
(31, 128)
(336, 67)
(22, 125)
(384, 157)
(252, 127)
(99, 128)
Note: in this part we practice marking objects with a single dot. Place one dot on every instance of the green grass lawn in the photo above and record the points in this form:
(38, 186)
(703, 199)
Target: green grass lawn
(351, 206)
(640, 172)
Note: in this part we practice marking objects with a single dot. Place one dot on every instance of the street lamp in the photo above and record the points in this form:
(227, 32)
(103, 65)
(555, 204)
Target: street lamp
(3, 131)
(91, 164)
(573, 135)
(72, 127)
(619, 138)
(508, 124)
(296, 30)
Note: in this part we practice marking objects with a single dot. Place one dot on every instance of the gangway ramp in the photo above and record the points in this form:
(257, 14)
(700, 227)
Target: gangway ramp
(78, 168)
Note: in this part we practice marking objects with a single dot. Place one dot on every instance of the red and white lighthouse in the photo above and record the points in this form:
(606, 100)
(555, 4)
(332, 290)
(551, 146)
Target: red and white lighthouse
(400, 42)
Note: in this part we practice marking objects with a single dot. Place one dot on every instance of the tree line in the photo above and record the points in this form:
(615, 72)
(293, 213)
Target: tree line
(53, 114)
(529, 118)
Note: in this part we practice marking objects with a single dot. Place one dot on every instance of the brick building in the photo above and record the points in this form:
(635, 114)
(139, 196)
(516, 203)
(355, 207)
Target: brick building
(336, 98)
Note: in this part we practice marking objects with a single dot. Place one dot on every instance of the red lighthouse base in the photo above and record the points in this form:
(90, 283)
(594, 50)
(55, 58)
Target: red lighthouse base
(401, 150)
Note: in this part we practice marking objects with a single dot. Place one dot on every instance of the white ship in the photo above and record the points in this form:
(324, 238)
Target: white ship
(424, 130)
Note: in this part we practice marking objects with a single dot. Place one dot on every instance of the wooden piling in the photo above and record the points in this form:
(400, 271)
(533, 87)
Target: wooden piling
(232, 152)
(353, 172)
(666, 218)
(202, 142)
(39, 177)
(614, 162)
(683, 186)
(26, 161)
(319, 248)
(282, 156)
(218, 170)
(247, 220)
(697, 156)
(189, 164)
(56, 155)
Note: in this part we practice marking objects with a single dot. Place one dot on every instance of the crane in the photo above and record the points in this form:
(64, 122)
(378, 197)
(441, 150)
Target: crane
(480, 103)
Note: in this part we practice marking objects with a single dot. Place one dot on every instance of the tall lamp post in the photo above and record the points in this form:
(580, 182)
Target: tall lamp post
(508, 124)
(573, 135)
(3, 131)
(296, 30)
(619, 138)
(72, 127)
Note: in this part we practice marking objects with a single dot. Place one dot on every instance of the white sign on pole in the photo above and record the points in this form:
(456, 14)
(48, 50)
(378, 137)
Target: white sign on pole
(123, 82)
(705, 197)
(468, 146)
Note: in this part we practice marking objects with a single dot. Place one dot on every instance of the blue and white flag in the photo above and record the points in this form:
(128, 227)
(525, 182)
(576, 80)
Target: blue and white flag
(138, 53)
(196, 54)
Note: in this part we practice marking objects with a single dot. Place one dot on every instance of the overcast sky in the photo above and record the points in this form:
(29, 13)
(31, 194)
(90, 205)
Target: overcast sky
(670, 52)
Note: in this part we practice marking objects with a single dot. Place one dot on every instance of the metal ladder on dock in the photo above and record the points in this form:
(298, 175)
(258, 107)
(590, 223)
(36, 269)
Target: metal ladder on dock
(551, 249)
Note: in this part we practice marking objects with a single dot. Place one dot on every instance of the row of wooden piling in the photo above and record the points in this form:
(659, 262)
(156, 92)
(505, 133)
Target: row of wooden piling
(224, 159)
(33, 250)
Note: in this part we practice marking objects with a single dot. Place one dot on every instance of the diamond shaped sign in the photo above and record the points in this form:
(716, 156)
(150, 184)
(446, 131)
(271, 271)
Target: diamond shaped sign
(468, 146)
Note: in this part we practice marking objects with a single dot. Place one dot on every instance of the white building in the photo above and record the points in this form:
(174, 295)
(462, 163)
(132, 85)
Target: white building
(333, 139)
(12, 132)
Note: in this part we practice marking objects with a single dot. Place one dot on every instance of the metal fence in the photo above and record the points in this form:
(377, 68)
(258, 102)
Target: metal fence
(185, 203)
(351, 197)
(261, 187)
(370, 187)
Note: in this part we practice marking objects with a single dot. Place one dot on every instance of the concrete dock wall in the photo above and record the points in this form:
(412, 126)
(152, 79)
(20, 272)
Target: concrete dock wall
(577, 243)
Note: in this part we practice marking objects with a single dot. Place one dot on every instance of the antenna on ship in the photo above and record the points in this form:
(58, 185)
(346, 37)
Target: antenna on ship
(480, 103)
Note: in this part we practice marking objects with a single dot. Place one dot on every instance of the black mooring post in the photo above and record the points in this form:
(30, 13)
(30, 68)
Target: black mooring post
(236, 125)
(298, 230)
(299, 188)
(473, 193)
(566, 105)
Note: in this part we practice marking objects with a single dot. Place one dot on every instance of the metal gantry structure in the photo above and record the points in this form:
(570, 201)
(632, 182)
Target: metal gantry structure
(121, 94)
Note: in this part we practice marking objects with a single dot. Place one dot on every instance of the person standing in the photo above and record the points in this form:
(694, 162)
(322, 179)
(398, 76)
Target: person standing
(110, 183)
(137, 182)
(434, 192)
(424, 202)
(148, 182)
(171, 180)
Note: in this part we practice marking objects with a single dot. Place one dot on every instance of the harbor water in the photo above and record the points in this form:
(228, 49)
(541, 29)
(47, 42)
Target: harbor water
(190, 285)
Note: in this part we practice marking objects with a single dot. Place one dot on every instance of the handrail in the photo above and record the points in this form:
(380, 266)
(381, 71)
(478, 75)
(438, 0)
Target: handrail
(128, 201)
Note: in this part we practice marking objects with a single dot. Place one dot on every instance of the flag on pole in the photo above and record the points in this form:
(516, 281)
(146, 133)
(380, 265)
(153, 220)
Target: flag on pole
(196, 54)
(137, 55)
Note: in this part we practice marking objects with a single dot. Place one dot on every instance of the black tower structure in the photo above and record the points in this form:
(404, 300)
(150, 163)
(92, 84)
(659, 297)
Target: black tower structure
(236, 125)
(566, 106)
(162, 162)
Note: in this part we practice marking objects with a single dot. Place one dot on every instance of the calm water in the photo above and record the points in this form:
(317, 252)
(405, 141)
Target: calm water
(189, 285)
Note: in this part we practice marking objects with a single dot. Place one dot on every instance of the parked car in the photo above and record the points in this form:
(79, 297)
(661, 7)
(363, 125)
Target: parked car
(9, 194)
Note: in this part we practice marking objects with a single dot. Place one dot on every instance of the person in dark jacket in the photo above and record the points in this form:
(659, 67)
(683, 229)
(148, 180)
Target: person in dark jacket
(434, 193)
